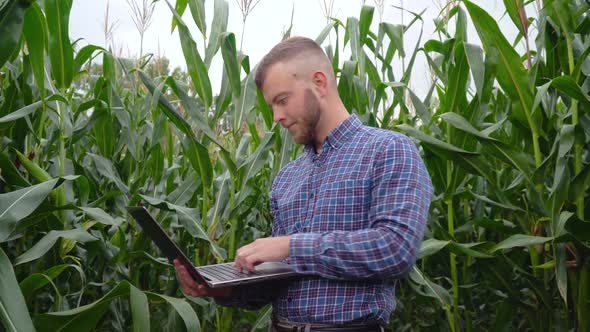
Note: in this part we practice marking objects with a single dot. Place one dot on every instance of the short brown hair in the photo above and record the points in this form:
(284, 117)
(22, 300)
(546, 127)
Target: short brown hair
(284, 51)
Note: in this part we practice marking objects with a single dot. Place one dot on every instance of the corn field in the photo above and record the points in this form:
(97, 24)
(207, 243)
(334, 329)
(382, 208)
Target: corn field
(504, 133)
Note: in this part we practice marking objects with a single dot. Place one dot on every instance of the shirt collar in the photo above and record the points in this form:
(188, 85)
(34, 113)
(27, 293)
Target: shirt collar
(340, 134)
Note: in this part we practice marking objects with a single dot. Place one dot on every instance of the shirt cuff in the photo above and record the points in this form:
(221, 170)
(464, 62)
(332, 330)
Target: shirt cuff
(304, 249)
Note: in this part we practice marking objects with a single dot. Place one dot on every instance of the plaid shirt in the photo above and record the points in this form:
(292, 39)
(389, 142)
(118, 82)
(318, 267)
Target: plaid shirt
(356, 215)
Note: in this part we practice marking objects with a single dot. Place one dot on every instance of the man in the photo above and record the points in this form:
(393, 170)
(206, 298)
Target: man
(349, 214)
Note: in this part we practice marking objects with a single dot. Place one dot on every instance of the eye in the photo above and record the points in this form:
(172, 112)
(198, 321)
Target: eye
(282, 101)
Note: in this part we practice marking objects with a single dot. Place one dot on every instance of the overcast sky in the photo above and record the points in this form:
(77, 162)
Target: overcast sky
(264, 26)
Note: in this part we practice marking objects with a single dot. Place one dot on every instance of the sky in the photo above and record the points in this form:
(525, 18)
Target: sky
(263, 29)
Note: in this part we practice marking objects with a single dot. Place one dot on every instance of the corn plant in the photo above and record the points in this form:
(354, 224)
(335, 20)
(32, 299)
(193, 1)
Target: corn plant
(503, 130)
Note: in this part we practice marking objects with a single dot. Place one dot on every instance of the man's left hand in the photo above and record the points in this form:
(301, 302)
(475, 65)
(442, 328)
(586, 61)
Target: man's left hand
(269, 249)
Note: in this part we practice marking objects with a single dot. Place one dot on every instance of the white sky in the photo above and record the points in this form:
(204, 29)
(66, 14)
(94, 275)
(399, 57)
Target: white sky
(264, 27)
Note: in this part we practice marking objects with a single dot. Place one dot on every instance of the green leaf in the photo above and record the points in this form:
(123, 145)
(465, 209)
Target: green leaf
(263, 320)
(195, 65)
(509, 155)
(433, 142)
(458, 74)
(580, 184)
(545, 266)
(520, 240)
(365, 21)
(17, 205)
(49, 240)
(324, 33)
(192, 108)
(254, 164)
(431, 246)
(21, 113)
(35, 30)
(218, 27)
(9, 172)
(356, 48)
(461, 123)
(60, 49)
(197, 8)
(11, 27)
(183, 308)
(216, 213)
(511, 74)
(461, 25)
(230, 61)
(568, 85)
(140, 311)
(84, 54)
(476, 64)
(559, 225)
(246, 102)
(201, 160)
(106, 168)
(14, 313)
(180, 7)
(560, 270)
(507, 206)
(395, 33)
(189, 219)
(496, 226)
(37, 280)
(100, 216)
(505, 314)
(513, 8)
(465, 249)
(82, 318)
(429, 288)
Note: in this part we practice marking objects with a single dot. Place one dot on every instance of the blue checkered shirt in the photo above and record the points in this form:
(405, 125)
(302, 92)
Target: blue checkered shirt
(356, 214)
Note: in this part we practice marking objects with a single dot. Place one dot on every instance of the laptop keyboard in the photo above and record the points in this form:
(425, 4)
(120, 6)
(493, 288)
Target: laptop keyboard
(227, 272)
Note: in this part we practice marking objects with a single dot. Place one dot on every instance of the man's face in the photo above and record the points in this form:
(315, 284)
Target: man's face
(294, 104)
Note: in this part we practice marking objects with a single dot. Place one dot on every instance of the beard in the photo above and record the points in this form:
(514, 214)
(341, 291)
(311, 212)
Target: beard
(309, 121)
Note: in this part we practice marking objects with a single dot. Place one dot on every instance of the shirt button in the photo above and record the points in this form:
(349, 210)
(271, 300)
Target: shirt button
(289, 299)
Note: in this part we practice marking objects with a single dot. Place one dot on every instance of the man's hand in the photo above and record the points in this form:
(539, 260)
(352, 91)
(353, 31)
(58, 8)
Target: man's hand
(270, 249)
(195, 289)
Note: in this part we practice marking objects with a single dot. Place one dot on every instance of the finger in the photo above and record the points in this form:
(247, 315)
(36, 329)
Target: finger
(245, 250)
(190, 286)
(242, 255)
(251, 262)
(240, 261)
(188, 283)
(239, 264)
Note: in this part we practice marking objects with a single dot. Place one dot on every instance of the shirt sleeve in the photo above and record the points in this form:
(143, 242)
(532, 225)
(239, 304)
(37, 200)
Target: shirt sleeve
(401, 196)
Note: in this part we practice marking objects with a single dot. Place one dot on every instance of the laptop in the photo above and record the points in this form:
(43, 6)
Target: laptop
(216, 275)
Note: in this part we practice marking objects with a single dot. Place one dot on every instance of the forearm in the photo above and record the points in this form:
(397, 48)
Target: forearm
(372, 253)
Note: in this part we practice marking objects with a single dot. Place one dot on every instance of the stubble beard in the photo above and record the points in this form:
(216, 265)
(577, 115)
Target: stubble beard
(310, 119)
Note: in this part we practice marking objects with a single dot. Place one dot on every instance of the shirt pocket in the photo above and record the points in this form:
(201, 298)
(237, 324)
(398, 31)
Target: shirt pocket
(342, 206)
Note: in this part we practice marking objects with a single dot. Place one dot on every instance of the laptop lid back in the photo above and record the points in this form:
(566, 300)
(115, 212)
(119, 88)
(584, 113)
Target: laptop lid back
(161, 238)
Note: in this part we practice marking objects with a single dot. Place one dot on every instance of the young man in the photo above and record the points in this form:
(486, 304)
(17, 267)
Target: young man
(349, 214)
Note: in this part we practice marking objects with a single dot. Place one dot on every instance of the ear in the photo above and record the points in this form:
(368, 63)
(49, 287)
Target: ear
(320, 83)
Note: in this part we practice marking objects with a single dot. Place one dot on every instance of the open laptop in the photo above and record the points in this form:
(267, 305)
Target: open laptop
(216, 275)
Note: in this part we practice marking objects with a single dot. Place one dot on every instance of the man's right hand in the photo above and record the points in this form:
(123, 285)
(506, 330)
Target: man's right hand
(195, 289)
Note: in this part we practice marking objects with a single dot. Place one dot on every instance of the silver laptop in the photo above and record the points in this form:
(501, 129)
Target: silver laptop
(216, 275)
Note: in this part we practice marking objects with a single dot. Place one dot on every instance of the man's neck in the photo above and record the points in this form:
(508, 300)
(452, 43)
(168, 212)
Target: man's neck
(331, 120)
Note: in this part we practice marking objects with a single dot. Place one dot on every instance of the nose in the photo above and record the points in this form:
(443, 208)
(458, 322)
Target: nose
(277, 115)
